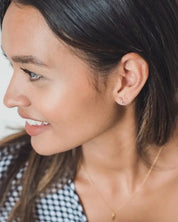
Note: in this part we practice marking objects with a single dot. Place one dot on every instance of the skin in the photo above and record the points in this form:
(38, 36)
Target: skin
(79, 115)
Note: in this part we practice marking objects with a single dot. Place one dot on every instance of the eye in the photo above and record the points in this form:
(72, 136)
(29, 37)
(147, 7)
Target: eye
(33, 76)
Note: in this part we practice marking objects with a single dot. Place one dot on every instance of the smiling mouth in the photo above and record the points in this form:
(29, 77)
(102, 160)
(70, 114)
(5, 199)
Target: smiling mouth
(36, 123)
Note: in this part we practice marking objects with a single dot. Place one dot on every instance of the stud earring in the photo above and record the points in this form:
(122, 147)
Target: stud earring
(121, 101)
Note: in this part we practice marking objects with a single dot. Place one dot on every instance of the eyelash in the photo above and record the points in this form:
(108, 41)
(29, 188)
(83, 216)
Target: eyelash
(35, 76)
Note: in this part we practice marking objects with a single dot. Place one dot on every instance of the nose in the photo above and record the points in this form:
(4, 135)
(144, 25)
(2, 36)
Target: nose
(15, 94)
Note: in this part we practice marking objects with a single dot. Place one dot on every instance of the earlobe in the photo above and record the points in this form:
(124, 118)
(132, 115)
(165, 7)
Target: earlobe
(133, 74)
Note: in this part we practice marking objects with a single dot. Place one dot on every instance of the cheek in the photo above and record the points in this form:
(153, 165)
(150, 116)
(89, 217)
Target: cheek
(75, 119)
(79, 117)
(73, 110)
(66, 100)
(68, 105)
(76, 113)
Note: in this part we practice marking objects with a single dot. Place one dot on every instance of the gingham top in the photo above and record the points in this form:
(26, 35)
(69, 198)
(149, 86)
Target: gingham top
(61, 205)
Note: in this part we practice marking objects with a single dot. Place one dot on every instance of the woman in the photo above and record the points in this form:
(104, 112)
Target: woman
(97, 84)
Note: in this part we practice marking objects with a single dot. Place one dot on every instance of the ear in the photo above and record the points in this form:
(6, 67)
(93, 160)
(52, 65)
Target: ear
(131, 75)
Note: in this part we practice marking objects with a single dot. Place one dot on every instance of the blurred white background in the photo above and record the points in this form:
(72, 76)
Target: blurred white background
(9, 118)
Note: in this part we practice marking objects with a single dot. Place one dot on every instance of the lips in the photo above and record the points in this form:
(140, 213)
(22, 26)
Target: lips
(36, 130)
(34, 127)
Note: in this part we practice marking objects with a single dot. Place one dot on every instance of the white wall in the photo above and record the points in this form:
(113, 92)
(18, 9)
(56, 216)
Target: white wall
(8, 117)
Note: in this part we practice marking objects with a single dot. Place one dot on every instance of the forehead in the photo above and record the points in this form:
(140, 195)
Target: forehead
(25, 31)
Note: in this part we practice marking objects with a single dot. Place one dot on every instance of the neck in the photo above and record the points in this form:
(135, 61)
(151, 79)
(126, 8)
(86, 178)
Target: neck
(110, 156)
(113, 159)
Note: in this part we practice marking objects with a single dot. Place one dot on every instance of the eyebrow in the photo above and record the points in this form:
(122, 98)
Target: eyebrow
(26, 59)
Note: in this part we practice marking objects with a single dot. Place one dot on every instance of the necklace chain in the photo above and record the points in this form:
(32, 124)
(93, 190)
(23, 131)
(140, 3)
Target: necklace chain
(114, 212)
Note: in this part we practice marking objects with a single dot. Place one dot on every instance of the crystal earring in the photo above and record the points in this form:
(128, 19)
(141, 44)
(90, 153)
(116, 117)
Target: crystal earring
(122, 101)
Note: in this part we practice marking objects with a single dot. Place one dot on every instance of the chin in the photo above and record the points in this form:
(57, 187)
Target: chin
(42, 149)
(45, 149)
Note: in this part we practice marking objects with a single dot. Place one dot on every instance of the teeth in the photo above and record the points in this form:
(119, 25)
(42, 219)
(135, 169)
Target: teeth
(36, 123)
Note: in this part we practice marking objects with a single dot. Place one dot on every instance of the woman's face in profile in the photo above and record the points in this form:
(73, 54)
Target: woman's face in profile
(51, 85)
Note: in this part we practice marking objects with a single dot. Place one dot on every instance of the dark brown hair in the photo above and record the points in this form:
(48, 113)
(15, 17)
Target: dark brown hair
(103, 31)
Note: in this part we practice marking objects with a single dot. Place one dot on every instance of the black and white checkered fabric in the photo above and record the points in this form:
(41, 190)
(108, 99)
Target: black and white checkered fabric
(61, 205)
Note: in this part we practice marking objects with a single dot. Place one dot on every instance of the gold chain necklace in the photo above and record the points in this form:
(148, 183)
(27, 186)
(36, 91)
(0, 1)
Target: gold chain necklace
(114, 212)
